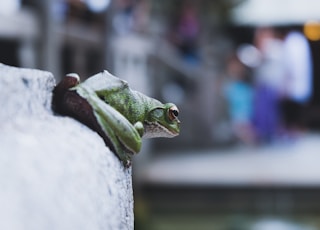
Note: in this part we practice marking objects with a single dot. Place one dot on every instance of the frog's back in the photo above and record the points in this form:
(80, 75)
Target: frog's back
(116, 92)
(132, 104)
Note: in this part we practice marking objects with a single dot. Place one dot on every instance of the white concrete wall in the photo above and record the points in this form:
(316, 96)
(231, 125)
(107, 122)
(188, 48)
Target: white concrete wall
(55, 173)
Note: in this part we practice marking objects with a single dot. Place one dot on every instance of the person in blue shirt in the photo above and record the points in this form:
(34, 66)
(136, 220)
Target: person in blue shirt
(239, 95)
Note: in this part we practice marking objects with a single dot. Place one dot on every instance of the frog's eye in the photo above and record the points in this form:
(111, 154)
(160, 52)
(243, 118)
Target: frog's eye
(173, 113)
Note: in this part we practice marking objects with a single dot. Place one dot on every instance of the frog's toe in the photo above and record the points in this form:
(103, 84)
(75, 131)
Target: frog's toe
(139, 127)
(125, 158)
(127, 163)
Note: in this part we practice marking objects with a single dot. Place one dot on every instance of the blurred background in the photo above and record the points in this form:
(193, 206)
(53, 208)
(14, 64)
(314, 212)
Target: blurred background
(245, 75)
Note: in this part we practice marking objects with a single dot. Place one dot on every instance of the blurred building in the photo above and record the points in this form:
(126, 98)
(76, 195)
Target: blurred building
(58, 36)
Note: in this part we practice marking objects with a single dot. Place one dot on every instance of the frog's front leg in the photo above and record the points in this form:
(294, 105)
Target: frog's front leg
(124, 136)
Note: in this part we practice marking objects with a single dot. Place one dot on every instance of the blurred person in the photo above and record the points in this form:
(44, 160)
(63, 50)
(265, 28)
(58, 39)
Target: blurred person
(123, 19)
(141, 15)
(187, 32)
(268, 80)
(239, 95)
(131, 16)
(298, 81)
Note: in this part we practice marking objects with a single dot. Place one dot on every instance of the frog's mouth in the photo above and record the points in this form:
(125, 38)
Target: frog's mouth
(154, 129)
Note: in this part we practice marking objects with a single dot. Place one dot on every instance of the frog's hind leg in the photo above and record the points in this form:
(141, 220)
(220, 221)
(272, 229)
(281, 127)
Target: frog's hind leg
(69, 102)
(108, 134)
(77, 107)
(124, 136)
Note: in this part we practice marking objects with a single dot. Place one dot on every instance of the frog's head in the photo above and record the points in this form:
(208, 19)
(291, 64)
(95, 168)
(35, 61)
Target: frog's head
(162, 121)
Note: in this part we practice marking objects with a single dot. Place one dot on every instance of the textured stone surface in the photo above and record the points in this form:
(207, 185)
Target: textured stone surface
(55, 173)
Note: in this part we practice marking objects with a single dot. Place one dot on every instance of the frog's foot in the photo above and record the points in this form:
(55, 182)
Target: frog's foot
(139, 127)
(125, 157)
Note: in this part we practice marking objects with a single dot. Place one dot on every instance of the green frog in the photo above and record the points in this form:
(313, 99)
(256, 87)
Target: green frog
(120, 115)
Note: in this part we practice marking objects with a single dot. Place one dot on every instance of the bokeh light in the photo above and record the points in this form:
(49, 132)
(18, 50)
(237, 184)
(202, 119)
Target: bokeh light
(311, 30)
